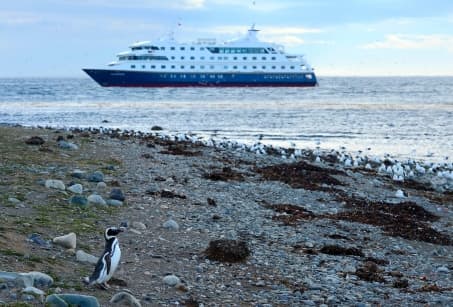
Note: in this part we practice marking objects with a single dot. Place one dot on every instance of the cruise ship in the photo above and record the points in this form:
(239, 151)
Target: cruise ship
(243, 62)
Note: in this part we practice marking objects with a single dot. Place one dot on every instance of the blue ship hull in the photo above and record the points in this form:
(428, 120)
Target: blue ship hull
(125, 78)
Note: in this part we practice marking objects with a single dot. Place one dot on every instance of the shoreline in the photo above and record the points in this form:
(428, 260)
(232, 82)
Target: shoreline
(320, 231)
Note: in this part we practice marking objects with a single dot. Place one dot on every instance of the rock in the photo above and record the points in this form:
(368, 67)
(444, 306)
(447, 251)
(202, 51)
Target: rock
(78, 200)
(117, 194)
(82, 256)
(57, 300)
(38, 279)
(34, 140)
(67, 145)
(125, 299)
(171, 280)
(78, 174)
(171, 224)
(96, 177)
(68, 241)
(101, 185)
(399, 194)
(76, 188)
(54, 184)
(96, 200)
(34, 291)
(225, 250)
(13, 200)
(138, 225)
(36, 238)
(114, 202)
(443, 269)
(156, 128)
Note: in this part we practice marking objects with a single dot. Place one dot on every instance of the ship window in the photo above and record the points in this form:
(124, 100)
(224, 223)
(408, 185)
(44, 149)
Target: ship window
(172, 57)
(254, 67)
(172, 48)
(182, 48)
(136, 48)
(192, 48)
(201, 48)
(244, 58)
(162, 66)
(235, 67)
(212, 66)
(172, 66)
(245, 67)
(182, 66)
(254, 58)
(219, 58)
(182, 58)
(225, 58)
(263, 67)
(292, 67)
(283, 67)
(132, 66)
(273, 58)
(212, 58)
(162, 48)
(143, 66)
(192, 67)
(235, 58)
(263, 58)
(202, 67)
(153, 66)
(226, 66)
(192, 58)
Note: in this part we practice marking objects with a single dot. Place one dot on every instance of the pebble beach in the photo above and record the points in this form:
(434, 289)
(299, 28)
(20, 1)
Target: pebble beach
(214, 223)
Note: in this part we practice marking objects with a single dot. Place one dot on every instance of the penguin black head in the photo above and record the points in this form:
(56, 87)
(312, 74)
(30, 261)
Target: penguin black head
(112, 232)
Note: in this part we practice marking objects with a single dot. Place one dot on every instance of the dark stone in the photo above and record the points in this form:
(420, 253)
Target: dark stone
(79, 200)
(96, 177)
(156, 128)
(117, 194)
(35, 140)
(211, 202)
(36, 238)
(401, 283)
(225, 250)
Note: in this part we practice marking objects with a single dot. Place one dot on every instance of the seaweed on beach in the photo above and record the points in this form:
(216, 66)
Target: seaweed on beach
(290, 215)
(302, 175)
(341, 251)
(406, 220)
(225, 250)
(224, 174)
(180, 150)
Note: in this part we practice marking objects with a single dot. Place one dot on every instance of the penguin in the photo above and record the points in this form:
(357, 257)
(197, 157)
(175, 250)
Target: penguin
(109, 260)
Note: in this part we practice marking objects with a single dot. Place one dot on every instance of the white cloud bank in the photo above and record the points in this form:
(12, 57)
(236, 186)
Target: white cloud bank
(398, 41)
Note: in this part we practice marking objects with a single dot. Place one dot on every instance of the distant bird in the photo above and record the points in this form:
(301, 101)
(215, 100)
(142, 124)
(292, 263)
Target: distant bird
(109, 260)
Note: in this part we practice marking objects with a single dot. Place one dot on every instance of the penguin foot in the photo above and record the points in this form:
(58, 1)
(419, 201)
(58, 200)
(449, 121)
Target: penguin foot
(104, 286)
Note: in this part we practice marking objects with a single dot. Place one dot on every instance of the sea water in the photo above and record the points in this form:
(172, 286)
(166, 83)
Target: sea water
(406, 117)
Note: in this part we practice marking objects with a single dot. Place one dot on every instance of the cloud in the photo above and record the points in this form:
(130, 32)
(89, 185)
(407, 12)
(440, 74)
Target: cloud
(399, 41)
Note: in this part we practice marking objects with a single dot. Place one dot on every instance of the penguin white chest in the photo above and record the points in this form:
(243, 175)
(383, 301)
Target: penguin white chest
(114, 258)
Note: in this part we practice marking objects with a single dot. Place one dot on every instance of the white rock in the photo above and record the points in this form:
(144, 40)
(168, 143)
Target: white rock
(55, 184)
(442, 269)
(33, 291)
(138, 225)
(96, 199)
(125, 299)
(171, 280)
(82, 256)
(68, 241)
(171, 224)
(76, 188)
(399, 194)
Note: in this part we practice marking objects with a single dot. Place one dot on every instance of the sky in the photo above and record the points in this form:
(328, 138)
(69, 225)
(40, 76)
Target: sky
(56, 38)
